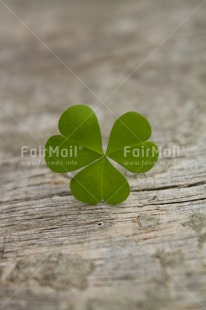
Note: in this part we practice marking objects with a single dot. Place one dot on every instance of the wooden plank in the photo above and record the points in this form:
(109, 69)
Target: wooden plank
(149, 252)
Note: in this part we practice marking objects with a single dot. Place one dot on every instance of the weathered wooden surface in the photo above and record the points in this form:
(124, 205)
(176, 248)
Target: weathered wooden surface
(148, 253)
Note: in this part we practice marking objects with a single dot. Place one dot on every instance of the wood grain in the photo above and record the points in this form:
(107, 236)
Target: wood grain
(149, 252)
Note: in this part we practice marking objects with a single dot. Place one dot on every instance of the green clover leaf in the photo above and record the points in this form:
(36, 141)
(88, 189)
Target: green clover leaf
(80, 145)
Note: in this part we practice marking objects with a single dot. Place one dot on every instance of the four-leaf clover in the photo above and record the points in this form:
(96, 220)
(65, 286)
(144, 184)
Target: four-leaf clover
(80, 145)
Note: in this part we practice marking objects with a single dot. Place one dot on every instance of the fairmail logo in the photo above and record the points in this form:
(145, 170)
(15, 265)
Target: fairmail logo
(146, 152)
(71, 152)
